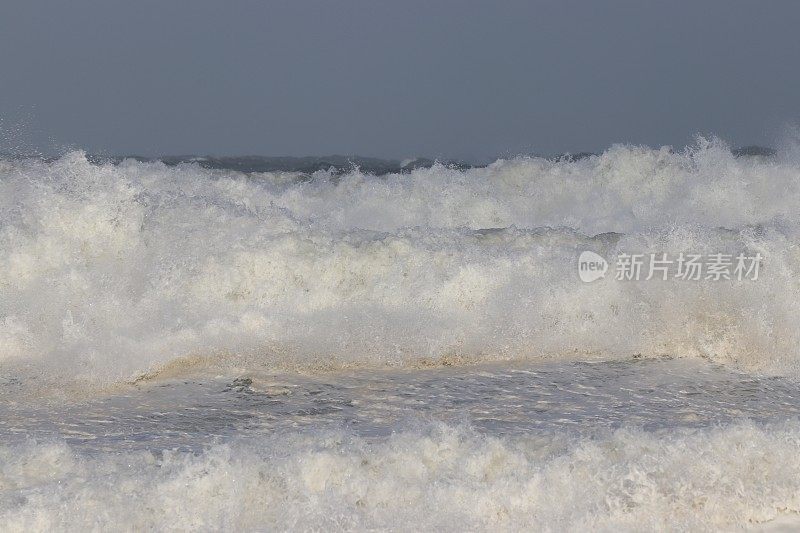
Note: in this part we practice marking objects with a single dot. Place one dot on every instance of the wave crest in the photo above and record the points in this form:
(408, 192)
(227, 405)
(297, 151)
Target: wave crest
(110, 270)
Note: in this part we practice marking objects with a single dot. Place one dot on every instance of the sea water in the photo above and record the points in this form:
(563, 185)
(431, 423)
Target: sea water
(202, 348)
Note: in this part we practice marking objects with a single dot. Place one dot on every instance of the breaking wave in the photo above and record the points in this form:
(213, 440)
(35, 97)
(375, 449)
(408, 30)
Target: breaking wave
(112, 270)
(437, 476)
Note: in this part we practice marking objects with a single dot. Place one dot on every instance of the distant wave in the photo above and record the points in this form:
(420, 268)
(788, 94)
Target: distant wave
(111, 270)
(338, 164)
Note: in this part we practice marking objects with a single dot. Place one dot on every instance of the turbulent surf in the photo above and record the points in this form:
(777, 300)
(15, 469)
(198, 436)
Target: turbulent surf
(119, 279)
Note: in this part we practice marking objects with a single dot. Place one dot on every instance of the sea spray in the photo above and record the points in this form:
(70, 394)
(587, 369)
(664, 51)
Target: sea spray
(110, 271)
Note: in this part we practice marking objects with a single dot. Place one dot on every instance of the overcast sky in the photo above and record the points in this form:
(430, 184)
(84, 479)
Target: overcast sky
(393, 79)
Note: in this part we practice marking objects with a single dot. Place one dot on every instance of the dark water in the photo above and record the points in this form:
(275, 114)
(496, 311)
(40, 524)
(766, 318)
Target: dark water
(510, 399)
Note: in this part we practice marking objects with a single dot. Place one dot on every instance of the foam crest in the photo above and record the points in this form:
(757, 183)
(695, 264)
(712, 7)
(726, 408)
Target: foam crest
(435, 476)
(110, 271)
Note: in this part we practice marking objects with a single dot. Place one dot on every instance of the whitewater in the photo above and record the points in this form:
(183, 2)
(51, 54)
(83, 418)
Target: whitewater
(202, 348)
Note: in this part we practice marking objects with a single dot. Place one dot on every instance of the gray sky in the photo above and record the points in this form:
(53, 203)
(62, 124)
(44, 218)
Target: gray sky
(393, 79)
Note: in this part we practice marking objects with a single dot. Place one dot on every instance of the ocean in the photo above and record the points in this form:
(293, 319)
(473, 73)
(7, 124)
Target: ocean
(348, 343)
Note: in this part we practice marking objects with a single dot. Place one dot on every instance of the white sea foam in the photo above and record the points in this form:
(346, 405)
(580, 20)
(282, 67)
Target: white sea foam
(436, 476)
(109, 271)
